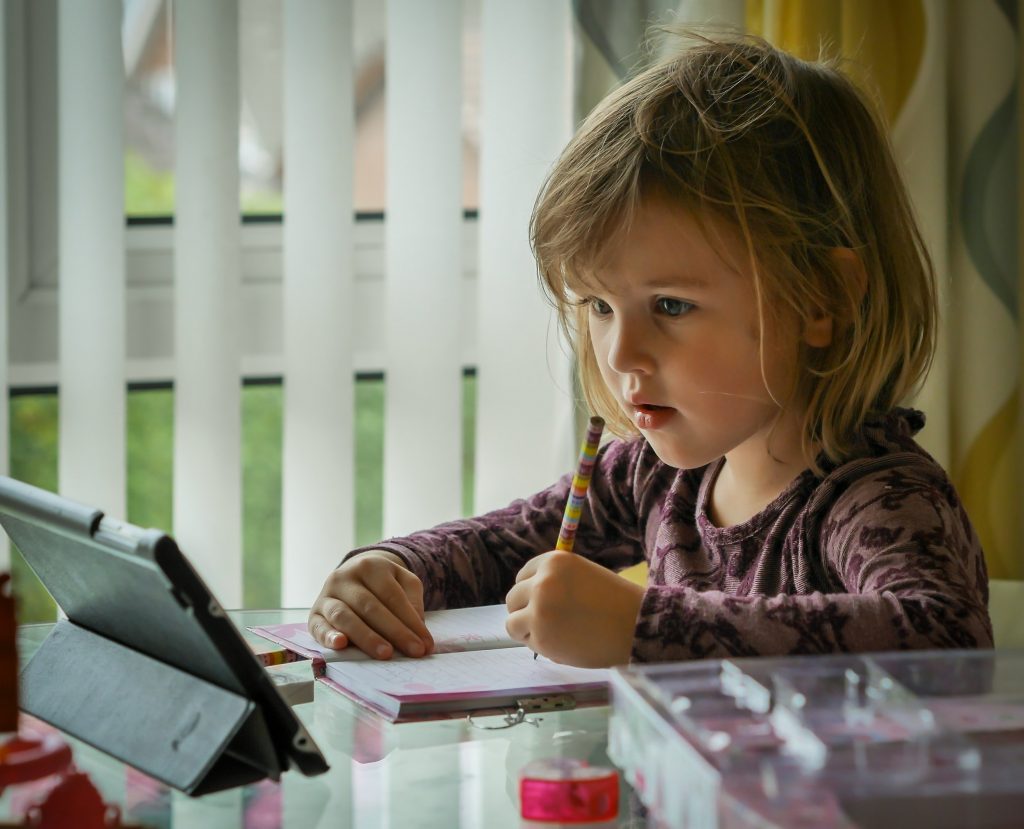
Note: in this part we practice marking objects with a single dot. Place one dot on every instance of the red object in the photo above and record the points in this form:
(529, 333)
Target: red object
(74, 801)
(8, 658)
(46, 789)
(564, 790)
(27, 756)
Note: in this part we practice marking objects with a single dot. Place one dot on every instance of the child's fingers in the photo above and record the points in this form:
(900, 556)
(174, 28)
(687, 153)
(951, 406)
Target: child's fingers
(518, 597)
(517, 625)
(413, 589)
(325, 633)
(363, 629)
(400, 622)
(530, 568)
(374, 607)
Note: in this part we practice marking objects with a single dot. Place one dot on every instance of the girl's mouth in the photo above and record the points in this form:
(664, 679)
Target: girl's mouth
(647, 416)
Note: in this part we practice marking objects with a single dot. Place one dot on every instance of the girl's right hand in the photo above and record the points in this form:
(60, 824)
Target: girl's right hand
(373, 602)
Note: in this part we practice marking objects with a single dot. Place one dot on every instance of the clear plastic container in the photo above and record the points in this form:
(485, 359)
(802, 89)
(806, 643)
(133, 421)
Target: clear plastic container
(929, 738)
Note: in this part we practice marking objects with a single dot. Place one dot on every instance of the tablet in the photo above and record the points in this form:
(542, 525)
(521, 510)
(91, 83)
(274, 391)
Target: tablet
(147, 666)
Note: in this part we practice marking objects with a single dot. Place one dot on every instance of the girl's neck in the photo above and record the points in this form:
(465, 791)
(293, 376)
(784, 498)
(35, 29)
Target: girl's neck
(754, 474)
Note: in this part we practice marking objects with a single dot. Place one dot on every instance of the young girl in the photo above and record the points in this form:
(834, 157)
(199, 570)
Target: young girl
(734, 257)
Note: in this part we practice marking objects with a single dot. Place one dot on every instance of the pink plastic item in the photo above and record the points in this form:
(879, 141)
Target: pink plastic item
(564, 790)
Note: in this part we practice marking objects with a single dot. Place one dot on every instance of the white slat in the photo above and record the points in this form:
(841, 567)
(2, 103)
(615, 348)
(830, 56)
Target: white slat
(5, 281)
(318, 471)
(207, 394)
(91, 466)
(422, 444)
(524, 438)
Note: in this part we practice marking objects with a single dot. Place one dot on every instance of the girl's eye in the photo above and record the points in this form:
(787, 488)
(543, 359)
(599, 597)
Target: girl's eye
(673, 307)
(599, 306)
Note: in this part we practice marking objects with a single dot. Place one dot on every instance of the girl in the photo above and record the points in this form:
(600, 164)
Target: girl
(734, 257)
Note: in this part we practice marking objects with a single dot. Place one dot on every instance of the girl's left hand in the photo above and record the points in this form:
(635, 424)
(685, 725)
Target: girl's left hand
(573, 611)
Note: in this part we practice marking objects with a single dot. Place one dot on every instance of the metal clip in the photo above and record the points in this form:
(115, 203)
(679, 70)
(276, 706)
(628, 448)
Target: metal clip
(547, 702)
(511, 718)
(526, 706)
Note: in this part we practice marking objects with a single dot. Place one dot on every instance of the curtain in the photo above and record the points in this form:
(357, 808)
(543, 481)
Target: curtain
(945, 74)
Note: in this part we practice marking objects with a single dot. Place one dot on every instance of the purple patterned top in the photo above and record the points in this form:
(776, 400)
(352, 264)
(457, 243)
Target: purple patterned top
(876, 555)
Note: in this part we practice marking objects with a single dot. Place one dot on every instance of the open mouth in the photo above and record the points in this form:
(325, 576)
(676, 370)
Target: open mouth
(648, 416)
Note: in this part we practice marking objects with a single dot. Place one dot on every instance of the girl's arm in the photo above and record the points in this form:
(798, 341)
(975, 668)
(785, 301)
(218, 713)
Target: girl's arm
(906, 568)
(474, 561)
(376, 598)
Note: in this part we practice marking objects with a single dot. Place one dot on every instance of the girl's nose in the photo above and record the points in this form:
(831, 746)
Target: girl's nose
(630, 350)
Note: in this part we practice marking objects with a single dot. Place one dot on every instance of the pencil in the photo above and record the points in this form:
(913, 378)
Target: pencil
(580, 485)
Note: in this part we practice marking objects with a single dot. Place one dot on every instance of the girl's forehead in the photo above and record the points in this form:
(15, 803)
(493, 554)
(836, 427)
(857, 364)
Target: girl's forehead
(664, 242)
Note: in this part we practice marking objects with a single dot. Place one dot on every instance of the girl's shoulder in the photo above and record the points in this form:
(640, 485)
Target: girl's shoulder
(890, 475)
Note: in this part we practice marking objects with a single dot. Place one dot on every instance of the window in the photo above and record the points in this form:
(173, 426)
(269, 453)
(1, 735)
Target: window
(149, 201)
(147, 35)
(34, 426)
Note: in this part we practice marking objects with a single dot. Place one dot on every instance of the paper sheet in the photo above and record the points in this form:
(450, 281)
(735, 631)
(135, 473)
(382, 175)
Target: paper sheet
(460, 629)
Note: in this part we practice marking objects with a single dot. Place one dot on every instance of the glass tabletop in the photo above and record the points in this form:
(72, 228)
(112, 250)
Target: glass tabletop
(442, 773)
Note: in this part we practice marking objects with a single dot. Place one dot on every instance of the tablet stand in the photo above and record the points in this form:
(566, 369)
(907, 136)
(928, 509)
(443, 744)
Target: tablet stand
(183, 730)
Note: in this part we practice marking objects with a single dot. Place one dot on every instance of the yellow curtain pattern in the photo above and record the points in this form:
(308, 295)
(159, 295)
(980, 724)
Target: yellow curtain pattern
(973, 392)
(945, 75)
(881, 41)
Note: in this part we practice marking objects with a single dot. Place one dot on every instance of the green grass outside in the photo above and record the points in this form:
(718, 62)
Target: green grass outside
(150, 192)
(150, 425)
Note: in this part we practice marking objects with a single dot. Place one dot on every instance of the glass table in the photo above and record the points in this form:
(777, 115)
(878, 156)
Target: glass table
(443, 773)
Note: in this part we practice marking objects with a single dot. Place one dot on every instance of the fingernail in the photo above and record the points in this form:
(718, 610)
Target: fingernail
(414, 648)
(335, 639)
(383, 650)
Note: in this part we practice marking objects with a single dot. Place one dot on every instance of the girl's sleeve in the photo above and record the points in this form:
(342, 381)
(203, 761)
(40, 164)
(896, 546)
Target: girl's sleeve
(474, 561)
(906, 568)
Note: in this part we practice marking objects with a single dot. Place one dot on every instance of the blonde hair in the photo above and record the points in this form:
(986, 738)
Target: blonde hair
(795, 157)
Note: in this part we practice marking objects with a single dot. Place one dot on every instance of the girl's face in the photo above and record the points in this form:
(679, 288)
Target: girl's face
(675, 330)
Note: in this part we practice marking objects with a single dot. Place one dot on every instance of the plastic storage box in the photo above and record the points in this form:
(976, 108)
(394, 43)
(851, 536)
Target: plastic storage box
(906, 739)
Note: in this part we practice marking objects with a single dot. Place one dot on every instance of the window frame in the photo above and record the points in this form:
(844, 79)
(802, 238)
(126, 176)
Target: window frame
(33, 294)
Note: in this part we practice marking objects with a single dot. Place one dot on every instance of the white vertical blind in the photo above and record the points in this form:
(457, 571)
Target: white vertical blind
(318, 467)
(207, 394)
(91, 466)
(524, 438)
(422, 436)
(5, 281)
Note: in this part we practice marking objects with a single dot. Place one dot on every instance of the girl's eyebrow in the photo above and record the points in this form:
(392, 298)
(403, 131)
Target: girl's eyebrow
(675, 282)
(658, 283)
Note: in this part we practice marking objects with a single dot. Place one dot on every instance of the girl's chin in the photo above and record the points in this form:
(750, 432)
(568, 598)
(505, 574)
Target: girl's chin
(674, 455)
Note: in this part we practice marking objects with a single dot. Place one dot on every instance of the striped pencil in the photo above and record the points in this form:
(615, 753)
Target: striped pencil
(580, 484)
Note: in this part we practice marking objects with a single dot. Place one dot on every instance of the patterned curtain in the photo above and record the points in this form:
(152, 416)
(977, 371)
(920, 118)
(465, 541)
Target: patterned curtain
(945, 73)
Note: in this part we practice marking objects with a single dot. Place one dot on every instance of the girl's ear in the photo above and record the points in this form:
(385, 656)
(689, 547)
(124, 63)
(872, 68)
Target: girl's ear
(818, 330)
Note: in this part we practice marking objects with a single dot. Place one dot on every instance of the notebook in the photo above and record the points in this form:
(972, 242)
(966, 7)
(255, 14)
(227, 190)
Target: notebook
(475, 667)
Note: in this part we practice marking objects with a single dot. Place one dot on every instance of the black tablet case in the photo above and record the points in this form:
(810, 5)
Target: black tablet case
(147, 667)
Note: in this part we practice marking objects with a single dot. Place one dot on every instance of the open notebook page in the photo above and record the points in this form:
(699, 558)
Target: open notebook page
(460, 678)
(460, 629)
